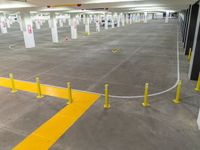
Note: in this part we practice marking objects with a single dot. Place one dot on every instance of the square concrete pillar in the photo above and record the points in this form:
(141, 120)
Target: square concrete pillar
(194, 68)
(3, 24)
(53, 26)
(27, 27)
(186, 25)
(191, 28)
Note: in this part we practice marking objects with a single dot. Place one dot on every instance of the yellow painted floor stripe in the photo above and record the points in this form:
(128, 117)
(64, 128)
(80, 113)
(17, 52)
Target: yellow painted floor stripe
(48, 133)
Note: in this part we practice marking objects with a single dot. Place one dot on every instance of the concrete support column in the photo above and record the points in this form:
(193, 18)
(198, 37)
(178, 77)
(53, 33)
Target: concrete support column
(8, 22)
(19, 19)
(167, 17)
(37, 24)
(113, 21)
(87, 25)
(145, 17)
(98, 20)
(3, 24)
(27, 27)
(186, 24)
(131, 18)
(84, 18)
(191, 28)
(123, 19)
(106, 22)
(195, 59)
(61, 22)
(127, 19)
(53, 26)
(118, 20)
(73, 21)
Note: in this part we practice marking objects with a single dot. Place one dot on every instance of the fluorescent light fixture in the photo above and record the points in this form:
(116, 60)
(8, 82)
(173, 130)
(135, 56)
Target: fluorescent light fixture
(13, 4)
(108, 1)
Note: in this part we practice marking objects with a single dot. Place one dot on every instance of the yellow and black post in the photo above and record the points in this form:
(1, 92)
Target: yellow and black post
(106, 103)
(178, 93)
(13, 88)
(69, 89)
(146, 98)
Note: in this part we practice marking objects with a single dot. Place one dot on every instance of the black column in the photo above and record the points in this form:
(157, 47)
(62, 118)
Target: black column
(195, 61)
(191, 28)
(186, 25)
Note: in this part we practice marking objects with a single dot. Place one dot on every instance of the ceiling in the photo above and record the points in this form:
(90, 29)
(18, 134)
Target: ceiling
(111, 5)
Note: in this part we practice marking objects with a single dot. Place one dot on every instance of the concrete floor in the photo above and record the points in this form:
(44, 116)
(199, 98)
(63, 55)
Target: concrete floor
(147, 54)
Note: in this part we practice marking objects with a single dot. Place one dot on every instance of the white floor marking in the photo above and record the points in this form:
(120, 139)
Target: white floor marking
(162, 92)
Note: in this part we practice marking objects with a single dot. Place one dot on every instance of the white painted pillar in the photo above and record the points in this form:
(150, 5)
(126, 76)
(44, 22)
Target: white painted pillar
(84, 18)
(53, 26)
(167, 17)
(98, 23)
(106, 22)
(73, 22)
(3, 24)
(61, 22)
(8, 21)
(131, 18)
(123, 19)
(19, 19)
(37, 24)
(145, 17)
(127, 19)
(87, 25)
(113, 21)
(118, 20)
(198, 120)
(27, 27)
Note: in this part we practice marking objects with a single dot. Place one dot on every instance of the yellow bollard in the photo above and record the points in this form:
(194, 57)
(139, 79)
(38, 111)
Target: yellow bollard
(146, 100)
(12, 83)
(189, 55)
(178, 93)
(69, 89)
(106, 103)
(198, 84)
(39, 88)
(87, 33)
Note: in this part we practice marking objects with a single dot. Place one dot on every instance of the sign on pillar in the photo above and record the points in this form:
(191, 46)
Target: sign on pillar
(27, 27)
(145, 17)
(3, 24)
(87, 25)
(53, 26)
(167, 17)
(106, 22)
(74, 27)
